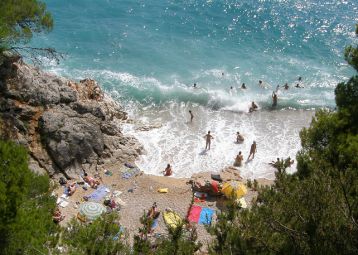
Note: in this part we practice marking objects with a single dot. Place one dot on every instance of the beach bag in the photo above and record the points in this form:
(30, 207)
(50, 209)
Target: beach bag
(62, 181)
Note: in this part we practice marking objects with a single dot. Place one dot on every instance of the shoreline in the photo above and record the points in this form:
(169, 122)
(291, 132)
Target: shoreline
(168, 137)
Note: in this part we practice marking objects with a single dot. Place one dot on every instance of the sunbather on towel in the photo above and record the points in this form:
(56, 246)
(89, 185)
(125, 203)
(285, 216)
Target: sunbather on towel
(71, 188)
(91, 181)
(57, 216)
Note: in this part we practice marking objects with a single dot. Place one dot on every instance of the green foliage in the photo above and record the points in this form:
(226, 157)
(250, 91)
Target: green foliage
(101, 237)
(351, 54)
(19, 19)
(26, 206)
(181, 240)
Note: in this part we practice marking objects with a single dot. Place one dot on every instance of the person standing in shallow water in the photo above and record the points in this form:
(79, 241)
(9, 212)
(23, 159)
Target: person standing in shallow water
(252, 150)
(208, 138)
(274, 99)
(191, 116)
(238, 160)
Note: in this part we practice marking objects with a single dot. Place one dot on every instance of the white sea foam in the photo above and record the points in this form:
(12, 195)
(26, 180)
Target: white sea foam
(181, 143)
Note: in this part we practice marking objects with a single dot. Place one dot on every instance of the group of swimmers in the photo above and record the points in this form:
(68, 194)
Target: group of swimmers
(274, 96)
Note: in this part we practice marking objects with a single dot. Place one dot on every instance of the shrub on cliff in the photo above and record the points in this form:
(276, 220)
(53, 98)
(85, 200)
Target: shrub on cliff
(26, 207)
(314, 211)
(103, 236)
(20, 19)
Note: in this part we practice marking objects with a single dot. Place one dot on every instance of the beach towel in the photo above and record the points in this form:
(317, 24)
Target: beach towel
(201, 215)
(98, 194)
(128, 173)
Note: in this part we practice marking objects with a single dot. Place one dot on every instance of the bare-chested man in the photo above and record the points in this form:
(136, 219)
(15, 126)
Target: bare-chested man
(252, 150)
(208, 138)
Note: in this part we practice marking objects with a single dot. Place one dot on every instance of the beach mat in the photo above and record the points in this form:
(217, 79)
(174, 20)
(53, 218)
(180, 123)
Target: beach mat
(128, 173)
(201, 215)
(98, 194)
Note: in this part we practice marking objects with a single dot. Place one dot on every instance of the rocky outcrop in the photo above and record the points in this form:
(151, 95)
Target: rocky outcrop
(66, 125)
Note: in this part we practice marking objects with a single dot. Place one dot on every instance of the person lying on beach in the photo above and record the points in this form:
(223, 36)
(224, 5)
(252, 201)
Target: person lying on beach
(286, 87)
(57, 216)
(91, 181)
(191, 116)
(238, 160)
(243, 86)
(71, 188)
(253, 107)
(274, 99)
(168, 171)
(252, 150)
(208, 138)
(239, 137)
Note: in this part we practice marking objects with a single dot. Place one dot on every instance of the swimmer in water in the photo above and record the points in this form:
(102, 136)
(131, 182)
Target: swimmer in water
(286, 86)
(243, 86)
(239, 137)
(253, 107)
(299, 86)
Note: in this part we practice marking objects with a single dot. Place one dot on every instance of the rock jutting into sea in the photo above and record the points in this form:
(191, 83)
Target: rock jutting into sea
(66, 126)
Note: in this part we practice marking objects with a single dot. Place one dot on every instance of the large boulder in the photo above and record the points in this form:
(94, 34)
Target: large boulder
(65, 125)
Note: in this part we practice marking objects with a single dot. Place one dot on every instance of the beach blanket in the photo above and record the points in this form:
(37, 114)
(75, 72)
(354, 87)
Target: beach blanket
(128, 173)
(201, 215)
(98, 194)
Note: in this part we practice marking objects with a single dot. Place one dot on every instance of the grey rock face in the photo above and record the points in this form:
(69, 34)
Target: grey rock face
(63, 123)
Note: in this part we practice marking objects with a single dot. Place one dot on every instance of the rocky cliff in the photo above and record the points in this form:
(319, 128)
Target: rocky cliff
(66, 125)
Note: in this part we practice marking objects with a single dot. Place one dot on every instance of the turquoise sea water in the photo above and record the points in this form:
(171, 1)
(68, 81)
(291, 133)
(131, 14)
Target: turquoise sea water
(149, 53)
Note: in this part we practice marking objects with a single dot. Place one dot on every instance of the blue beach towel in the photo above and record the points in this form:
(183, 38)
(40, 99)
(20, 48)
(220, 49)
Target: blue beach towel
(128, 173)
(98, 194)
(155, 223)
(206, 216)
